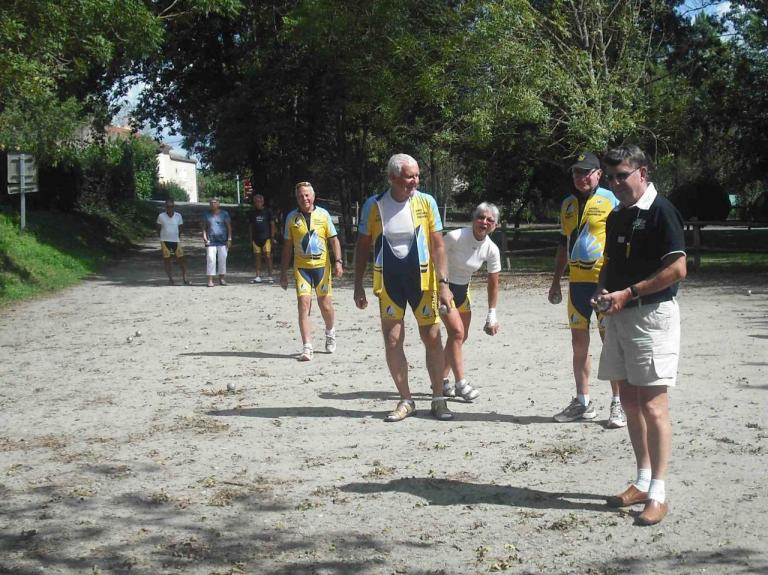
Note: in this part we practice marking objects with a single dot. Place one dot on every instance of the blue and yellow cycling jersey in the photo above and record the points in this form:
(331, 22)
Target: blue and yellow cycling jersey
(309, 234)
(426, 219)
(583, 231)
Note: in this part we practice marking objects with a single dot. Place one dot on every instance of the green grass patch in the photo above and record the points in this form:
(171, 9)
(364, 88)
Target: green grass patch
(58, 250)
(734, 262)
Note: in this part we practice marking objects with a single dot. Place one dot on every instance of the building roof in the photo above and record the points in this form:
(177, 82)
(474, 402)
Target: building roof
(180, 158)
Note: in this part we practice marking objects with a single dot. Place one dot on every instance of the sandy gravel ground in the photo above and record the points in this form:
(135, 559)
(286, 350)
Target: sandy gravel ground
(132, 457)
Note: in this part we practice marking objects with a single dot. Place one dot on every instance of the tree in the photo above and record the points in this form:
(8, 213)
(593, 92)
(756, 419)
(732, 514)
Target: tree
(64, 60)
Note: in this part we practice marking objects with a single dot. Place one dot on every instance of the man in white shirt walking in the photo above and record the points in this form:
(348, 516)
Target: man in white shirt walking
(169, 226)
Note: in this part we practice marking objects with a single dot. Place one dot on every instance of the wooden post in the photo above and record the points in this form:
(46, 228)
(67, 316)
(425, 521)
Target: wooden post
(696, 245)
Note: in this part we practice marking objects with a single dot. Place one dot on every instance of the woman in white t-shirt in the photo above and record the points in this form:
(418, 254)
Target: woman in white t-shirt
(467, 250)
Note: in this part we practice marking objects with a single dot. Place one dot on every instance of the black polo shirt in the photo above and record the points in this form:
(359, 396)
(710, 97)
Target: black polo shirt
(637, 239)
(261, 224)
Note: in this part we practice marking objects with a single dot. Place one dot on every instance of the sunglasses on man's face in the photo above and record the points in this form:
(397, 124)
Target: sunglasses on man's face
(620, 176)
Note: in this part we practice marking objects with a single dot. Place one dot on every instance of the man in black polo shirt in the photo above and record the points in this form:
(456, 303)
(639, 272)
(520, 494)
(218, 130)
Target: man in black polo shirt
(262, 224)
(644, 262)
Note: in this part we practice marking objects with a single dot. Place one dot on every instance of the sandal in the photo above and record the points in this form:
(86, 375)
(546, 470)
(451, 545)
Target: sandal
(405, 408)
(439, 409)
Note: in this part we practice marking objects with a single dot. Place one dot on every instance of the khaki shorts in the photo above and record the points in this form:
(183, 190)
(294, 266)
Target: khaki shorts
(642, 345)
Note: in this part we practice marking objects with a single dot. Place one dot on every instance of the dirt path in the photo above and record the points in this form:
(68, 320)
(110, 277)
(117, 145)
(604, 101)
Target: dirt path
(120, 456)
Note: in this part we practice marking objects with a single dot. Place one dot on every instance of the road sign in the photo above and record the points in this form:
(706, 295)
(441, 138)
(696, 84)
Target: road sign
(22, 173)
(247, 190)
(22, 180)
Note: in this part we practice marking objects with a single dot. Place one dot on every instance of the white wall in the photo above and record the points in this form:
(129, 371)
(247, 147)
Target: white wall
(182, 173)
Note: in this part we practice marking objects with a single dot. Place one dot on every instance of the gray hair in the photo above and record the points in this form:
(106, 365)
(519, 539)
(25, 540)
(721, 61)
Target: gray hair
(396, 163)
(487, 207)
(304, 185)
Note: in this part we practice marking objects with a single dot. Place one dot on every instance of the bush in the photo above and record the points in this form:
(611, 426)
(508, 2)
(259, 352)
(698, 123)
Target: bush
(222, 186)
(170, 190)
(703, 198)
(98, 173)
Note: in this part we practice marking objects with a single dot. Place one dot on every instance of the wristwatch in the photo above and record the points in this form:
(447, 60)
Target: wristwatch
(340, 261)
(444, 281)
(633, 291)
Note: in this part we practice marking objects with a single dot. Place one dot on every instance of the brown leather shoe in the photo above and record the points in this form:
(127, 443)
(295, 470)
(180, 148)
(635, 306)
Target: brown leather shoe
(653, 513)
(631, 496)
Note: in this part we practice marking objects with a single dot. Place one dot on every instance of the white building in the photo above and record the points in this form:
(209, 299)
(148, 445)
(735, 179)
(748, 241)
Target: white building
(178, 169)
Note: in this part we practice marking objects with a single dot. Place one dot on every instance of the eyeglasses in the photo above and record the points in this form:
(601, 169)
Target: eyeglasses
(488, 219)
(621, 176)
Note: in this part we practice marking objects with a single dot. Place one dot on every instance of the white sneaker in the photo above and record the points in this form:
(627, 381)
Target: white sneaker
(256, 280)
(616, 419)
(466, 391)
(330, 341)
(307, 354)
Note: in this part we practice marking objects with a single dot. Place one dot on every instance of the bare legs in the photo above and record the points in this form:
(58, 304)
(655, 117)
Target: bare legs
(650, 429)
(257, 263)
(457, 329)
(394, 336)
(182, 266)
(325, 304)
(582, 362)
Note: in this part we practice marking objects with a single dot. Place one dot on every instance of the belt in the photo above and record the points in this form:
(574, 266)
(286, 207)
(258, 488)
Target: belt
(648, 300)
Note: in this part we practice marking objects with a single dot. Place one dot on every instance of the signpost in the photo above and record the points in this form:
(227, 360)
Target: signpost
(22, 179)
(247, 190)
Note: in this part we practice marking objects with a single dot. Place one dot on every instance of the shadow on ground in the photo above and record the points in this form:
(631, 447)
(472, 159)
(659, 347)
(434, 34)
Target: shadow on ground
(453, 492)
(726, 560)
(247, 354)
(71, 534)
(303, 411)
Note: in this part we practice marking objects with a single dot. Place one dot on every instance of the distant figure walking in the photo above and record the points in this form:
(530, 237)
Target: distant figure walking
(217, 236)
(262, 224)
(169, 227)
(309, 232)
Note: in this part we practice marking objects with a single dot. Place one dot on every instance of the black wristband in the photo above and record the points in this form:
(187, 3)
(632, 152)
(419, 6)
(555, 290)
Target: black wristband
(444, 281)
(633, 291)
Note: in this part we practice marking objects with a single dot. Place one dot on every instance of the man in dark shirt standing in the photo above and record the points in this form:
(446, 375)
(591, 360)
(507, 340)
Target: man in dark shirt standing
(262, 224)
(644, 262)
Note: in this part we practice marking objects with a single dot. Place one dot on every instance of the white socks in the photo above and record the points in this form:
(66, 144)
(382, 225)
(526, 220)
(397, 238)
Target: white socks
(643, 481)
(654, 487)
(656, 490)
(583, 399)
